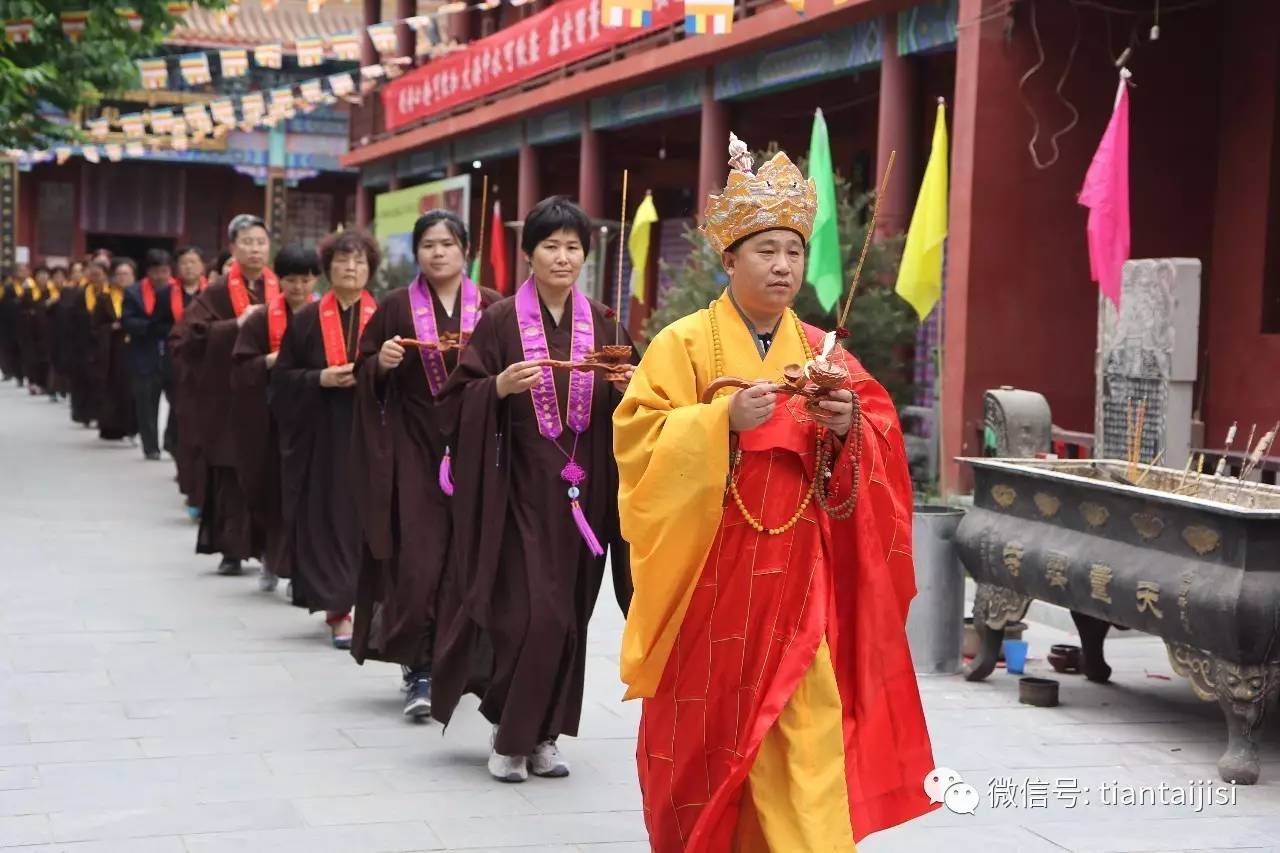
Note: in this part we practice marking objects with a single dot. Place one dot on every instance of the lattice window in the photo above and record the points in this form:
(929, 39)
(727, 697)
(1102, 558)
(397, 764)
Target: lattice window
(309, 217)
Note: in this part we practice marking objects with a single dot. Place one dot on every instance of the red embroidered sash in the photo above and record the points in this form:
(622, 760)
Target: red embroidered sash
(277, 322)
(335, 341)
(240, 298)
(178, 304)
(149, 294)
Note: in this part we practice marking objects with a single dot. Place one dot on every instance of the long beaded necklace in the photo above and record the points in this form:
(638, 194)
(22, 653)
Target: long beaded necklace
(817, 488)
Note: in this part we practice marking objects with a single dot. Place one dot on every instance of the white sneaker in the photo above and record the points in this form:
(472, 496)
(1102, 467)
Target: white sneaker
(268, 580)
(548, 762)
(508, 768)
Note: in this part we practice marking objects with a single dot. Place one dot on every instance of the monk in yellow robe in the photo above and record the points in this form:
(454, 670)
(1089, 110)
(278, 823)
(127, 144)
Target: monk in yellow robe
(771, 557)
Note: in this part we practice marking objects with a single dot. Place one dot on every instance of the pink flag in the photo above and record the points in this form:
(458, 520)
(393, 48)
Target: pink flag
(1106, 194)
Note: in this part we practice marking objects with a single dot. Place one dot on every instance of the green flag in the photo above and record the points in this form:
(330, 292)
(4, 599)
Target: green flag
(475, 269)
(824, 270)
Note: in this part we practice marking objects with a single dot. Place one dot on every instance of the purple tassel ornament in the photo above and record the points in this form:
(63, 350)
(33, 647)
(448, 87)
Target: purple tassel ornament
(446, 474)
(588, 535)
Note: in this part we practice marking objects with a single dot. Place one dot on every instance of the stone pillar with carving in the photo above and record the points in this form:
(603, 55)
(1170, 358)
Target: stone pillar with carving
(8, 213)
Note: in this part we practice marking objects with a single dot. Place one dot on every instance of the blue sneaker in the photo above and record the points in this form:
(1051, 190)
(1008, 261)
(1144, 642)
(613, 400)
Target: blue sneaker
(193, 513)
(417, 704)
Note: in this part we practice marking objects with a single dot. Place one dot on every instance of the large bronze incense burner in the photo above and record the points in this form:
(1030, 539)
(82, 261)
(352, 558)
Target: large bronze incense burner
(1201, 572)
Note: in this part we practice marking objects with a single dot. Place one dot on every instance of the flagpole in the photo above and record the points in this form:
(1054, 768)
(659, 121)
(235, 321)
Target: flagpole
(938, 359)
(622, 244)
(484, 215)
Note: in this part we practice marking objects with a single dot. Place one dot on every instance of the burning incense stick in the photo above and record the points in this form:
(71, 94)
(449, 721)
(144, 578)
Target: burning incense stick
(866, 245)
(1226, 451)
(484, 204)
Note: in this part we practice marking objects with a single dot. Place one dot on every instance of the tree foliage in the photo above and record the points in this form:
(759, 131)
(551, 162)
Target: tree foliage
(52, 70)
(882, 325)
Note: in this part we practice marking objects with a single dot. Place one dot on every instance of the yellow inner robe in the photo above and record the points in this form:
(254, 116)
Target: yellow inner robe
(673, 455)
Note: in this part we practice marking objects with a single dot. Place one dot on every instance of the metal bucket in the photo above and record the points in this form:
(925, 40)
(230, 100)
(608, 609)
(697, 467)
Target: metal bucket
(935, 623)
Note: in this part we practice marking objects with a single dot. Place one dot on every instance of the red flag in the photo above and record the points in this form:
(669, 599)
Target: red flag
(1106, 194)
(498, 251)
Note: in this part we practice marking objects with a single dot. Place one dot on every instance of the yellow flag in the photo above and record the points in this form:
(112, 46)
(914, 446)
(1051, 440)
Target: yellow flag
(638, 245)
(920, 275)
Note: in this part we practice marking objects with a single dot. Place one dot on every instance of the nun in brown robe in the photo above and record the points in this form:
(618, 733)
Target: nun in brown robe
(33, 332)
(204, 344)
(182, 435)
(313, 402)
(10, 352)
(117, 415)
(529, 577)
(398, 447)
(81, 347)
(255, 354)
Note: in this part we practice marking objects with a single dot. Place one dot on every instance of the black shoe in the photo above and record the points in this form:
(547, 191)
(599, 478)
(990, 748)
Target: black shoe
(417, 703)
(229, 566)
(154, 456)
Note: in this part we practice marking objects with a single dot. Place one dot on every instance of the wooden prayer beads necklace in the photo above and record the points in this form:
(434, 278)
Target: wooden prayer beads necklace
(816, 488)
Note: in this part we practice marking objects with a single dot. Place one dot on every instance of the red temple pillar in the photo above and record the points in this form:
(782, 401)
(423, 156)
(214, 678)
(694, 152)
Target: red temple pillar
(364, 202)
(713, 154)
(590, 169)
(899, 107)
(406, 37)
(372, 10)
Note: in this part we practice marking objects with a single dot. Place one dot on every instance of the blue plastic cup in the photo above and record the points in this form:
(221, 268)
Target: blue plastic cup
(1015, 656)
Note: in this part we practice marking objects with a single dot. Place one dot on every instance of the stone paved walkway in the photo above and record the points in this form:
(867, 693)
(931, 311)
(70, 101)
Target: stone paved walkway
(150, 706)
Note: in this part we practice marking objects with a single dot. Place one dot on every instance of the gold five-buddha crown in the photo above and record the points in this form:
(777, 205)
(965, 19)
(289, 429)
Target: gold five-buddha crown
(778, 196)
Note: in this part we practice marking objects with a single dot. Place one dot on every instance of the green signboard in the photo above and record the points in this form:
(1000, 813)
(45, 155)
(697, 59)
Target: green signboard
(396, 212)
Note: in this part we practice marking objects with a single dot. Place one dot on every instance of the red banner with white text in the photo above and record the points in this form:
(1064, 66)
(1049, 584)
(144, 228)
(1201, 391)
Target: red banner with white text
(568, 31)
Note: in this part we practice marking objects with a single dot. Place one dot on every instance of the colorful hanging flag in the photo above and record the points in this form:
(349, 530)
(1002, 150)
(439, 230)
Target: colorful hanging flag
(74, 24)
(798, 5)
(311, 91)
(310, 52)
(269, 55)
(161, 120)
(178, 9)
(196, 118)
(224, 111)
(135, 149)
(920, 273)
(19, 31)
(234, 62)
(195, 68)
(268, 5)
(99, 127)
(180, 143)
(708, 17)
(62, 153)
(90, 153)
(282, 102)
(383, 37)
(498, 251)
(114, 152)
(313, 6)
(372, 72)
(452, 8)
(252, 108)
(345, 46)
(154, 73)
(133, 125)
(132, 18)
(825, 270)
(178, 127)
(1106, 194)
(638, 246)
(626, 13)
(488, 5)
(342, 84)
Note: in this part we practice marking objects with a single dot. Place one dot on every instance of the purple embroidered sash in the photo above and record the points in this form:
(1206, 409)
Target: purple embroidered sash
(424, 325)
(533, 338)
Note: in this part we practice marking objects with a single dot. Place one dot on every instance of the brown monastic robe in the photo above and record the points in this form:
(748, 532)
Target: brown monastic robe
(81, 356)
(318, 495)
(117, 416)
(530, 583)
(33, 336)
(397, 445)
(258, 449)
(187, 455)
(204, 345)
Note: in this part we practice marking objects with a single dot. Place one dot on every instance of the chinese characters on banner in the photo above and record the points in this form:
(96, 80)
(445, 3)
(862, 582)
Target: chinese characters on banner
(567, 32)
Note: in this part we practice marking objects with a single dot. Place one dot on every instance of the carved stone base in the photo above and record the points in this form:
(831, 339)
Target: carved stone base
(1092, 633)
(1245, 692)
(994, 607)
